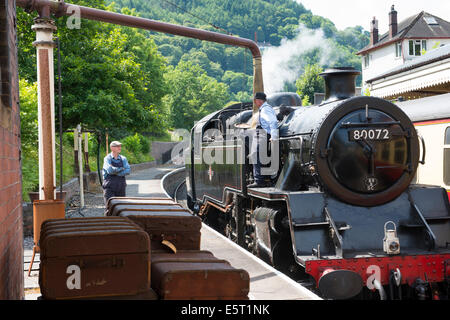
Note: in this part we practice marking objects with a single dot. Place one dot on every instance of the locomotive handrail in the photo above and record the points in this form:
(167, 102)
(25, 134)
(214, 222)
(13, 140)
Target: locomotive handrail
(336, 236)
(429, 232)
(368, 124)
(423, 149)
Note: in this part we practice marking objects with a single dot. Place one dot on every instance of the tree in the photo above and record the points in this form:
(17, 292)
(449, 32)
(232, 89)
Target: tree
(201, 58)
(237, 81)
(28, 115)
(310, 82)
(112, 76)
(194, 94)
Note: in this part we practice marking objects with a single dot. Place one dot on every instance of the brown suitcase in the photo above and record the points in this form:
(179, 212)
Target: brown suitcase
(129, 202)
(86, 224)
(201, 279)
(94, 261)
(182, 255)
(114, 200)
(118, 208)
(179, 228)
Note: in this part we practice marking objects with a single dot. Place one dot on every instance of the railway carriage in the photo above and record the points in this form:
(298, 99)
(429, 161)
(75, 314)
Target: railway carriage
(431, 117)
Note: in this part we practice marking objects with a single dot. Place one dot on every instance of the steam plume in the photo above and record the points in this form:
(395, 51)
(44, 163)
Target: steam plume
(284, 64)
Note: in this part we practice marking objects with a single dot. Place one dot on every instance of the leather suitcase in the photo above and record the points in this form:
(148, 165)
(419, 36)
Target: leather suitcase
(180, 228)
(184, 255)
(201, 279)
(129, 202)
(114, 200)
(94, 261)
(118, 208)
(86, 224)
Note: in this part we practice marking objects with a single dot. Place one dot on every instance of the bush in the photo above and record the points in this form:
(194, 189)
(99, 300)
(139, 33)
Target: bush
(133, 144)
(136, 148)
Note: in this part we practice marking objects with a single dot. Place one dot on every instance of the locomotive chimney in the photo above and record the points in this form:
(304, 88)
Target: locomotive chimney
(392, 22)
(339, 83)
(373, 31)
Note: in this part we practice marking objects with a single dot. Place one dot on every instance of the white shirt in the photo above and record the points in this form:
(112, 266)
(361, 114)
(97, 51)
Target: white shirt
(268, 120)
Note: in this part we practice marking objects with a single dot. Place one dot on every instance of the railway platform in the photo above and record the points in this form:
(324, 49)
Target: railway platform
(266, 283)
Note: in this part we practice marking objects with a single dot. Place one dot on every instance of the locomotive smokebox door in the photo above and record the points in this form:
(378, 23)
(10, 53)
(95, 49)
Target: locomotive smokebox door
(391, 243)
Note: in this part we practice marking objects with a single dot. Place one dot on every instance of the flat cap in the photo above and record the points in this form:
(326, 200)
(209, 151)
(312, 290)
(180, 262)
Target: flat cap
(115, 144)
(260, 95)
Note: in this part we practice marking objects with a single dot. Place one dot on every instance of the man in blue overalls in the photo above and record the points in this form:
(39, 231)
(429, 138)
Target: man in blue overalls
(115, 168)
(267, 120)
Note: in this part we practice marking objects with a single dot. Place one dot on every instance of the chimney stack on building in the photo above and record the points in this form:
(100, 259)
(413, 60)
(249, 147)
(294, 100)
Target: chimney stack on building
(392, 22)
(373, 31)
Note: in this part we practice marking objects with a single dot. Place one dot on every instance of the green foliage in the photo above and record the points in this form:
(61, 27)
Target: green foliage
(29, 136)
(28, 115)
(238, 81)
(133, 143)
(136, 148)
(111, 76)
(309, 83)
(194, 94)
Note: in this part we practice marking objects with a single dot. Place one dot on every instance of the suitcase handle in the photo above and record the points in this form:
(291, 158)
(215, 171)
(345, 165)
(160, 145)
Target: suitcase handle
(112, 262)
(170, 245)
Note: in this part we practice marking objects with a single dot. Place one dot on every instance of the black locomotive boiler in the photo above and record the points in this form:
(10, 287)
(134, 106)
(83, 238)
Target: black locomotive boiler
(342, 214)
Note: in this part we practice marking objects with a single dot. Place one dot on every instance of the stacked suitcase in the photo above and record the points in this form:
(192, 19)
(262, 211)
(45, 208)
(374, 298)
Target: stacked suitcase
(166, 222)
(197, 275)
(83, 258)
(141, 246)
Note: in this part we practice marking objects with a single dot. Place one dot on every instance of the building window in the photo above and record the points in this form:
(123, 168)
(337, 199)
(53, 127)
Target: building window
(417, 47)
(398, 49)
(431, 21)
(366, 61)
(447, 156)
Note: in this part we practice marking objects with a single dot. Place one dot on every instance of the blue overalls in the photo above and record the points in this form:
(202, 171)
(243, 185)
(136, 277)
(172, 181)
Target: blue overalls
(114, 185)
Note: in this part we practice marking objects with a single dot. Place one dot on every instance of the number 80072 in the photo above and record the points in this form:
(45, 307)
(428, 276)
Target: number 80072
(370, 134)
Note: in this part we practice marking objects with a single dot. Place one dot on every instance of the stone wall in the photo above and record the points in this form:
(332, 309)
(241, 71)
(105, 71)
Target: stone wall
(161, 151)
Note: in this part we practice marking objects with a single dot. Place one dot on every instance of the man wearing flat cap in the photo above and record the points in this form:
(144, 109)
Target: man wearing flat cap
(115, 168)
(267, 120)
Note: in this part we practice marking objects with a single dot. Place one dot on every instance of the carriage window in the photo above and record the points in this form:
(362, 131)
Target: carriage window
(447, 156)
(447, 136)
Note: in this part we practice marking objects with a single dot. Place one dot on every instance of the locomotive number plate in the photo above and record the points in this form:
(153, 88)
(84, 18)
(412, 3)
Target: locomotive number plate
(370, 134)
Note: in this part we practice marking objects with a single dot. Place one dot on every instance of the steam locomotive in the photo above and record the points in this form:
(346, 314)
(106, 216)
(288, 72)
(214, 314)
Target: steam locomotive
(341, 214)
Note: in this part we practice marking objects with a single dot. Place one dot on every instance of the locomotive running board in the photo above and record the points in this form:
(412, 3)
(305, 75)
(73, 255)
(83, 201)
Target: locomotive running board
(268, 193)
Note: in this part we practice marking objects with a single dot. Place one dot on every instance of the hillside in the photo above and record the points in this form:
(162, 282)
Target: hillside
(271, 22)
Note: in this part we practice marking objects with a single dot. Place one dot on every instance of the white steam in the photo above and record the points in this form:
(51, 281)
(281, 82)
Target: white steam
(283, 64)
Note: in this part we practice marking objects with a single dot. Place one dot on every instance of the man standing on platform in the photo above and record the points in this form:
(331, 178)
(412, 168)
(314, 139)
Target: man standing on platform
(115, 168)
